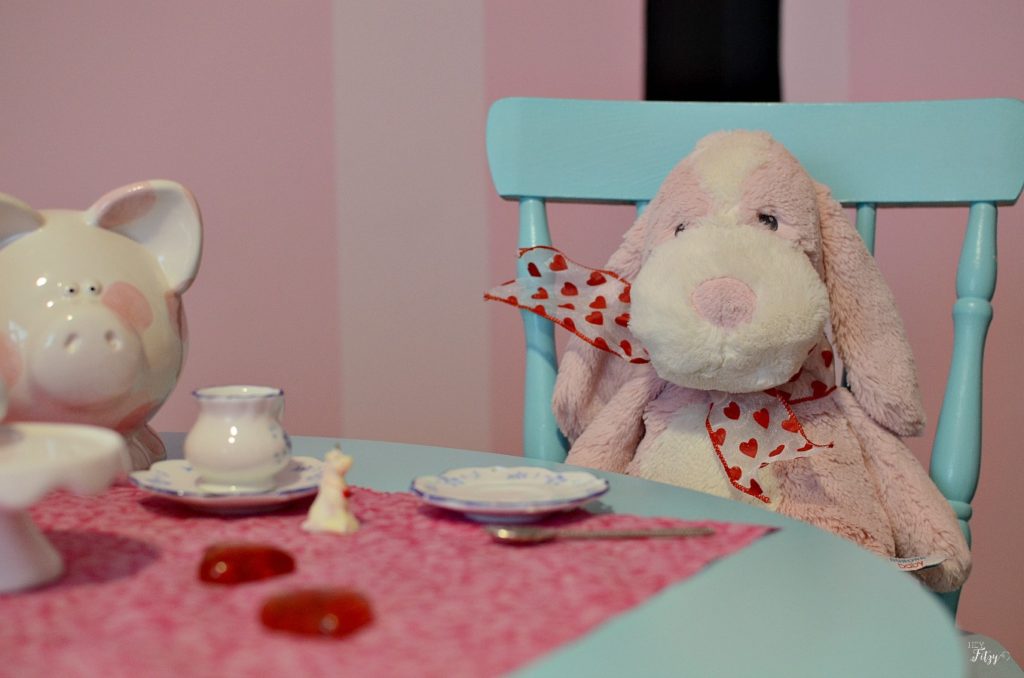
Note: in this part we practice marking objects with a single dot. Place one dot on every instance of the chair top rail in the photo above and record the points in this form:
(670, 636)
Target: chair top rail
(895, 153)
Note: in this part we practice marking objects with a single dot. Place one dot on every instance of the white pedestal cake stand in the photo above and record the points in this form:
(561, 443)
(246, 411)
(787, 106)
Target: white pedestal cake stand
(35, 459)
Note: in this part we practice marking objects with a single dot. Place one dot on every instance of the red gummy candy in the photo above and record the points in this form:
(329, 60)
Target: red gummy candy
(330, 612)
(236, 563)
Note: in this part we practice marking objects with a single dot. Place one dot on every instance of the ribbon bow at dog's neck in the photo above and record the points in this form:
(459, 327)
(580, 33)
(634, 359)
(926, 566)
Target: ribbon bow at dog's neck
(747, 430)
(752, 430)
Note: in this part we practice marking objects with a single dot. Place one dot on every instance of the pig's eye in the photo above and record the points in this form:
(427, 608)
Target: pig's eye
(92, 287)
(680, 227)
(71, 290)
(768, 220)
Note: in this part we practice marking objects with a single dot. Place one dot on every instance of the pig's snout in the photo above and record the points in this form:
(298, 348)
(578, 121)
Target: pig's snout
(87, 357)
(75, 342)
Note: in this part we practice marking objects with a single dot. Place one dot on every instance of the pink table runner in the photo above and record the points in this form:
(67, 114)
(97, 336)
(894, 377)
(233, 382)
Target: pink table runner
(448, 601)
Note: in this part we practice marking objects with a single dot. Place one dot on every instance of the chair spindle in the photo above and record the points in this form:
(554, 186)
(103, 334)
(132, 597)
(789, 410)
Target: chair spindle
(866, 225)
(541, 437)
(956, 453)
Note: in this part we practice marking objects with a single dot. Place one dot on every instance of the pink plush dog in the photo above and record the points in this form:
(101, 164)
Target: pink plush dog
(707, 350)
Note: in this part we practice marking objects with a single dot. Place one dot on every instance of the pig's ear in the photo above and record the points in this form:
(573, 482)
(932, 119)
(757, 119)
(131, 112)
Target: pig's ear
(163, 217)
(16, 219)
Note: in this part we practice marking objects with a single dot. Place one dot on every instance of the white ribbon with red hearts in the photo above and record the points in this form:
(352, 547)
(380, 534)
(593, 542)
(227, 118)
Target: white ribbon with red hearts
(748, 431)
(591, 303)
(752, 430)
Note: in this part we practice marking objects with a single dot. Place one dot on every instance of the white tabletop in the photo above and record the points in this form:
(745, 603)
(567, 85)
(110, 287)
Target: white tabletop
(799, 602)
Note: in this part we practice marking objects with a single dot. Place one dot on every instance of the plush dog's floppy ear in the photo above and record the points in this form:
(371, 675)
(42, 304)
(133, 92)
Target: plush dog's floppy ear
(869, 333)
(587, 377)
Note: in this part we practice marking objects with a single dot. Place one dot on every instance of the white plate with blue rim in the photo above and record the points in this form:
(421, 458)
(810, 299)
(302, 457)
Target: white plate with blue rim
(178, 481)
(508, 494)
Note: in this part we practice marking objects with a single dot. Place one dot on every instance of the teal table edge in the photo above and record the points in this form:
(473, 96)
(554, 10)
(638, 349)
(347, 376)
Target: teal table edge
(799, 602)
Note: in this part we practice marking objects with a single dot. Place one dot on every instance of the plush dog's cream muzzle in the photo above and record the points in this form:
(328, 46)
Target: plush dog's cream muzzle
(728, 308)
(747, 429)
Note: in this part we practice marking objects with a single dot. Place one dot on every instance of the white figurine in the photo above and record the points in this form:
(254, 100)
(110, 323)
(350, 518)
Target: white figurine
(330, 512)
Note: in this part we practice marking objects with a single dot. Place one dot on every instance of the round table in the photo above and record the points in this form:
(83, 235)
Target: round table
(799, 602)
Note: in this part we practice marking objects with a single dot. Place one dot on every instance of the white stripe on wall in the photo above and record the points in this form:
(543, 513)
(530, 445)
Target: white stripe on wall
(412, 221)
(815, 52)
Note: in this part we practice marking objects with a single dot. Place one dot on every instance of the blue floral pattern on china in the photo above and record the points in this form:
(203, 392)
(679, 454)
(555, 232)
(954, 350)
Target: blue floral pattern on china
(508, 494)
(177, 480)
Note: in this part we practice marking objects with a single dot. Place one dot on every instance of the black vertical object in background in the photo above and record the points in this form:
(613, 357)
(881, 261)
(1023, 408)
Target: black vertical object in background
(712, 50)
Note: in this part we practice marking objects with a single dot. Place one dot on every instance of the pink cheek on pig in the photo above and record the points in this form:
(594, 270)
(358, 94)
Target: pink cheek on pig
(10, 362)
(129, 304)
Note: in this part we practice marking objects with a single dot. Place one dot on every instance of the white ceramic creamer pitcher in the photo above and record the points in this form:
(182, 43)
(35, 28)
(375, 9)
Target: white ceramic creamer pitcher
(238, 443)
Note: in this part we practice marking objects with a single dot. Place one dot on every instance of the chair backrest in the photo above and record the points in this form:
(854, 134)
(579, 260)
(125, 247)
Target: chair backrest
(958, 152)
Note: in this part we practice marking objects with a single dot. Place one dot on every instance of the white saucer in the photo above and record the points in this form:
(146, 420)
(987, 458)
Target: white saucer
(175, 479)
(500, 494)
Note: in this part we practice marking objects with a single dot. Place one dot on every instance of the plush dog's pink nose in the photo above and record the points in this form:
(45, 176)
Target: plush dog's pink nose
(726, 302)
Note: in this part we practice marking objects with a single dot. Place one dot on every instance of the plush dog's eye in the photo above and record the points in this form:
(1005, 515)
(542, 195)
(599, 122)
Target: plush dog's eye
(768, 220)
(680, 228)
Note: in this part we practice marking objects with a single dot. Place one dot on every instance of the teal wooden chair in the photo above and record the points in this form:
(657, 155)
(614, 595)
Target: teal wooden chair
(871, 155)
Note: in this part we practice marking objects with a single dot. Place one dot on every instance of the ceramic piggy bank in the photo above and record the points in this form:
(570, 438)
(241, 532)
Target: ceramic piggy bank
(91, 324)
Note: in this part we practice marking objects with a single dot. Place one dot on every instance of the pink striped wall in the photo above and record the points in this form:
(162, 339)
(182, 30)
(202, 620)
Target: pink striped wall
(571, 48)
(335, 146)
(411, 197)
(233, 99)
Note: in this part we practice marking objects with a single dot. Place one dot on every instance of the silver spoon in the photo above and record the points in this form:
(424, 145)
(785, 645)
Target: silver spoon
(534, 535)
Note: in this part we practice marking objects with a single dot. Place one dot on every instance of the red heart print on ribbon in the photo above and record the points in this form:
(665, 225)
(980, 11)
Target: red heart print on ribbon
(591, 303)
(763, 427)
